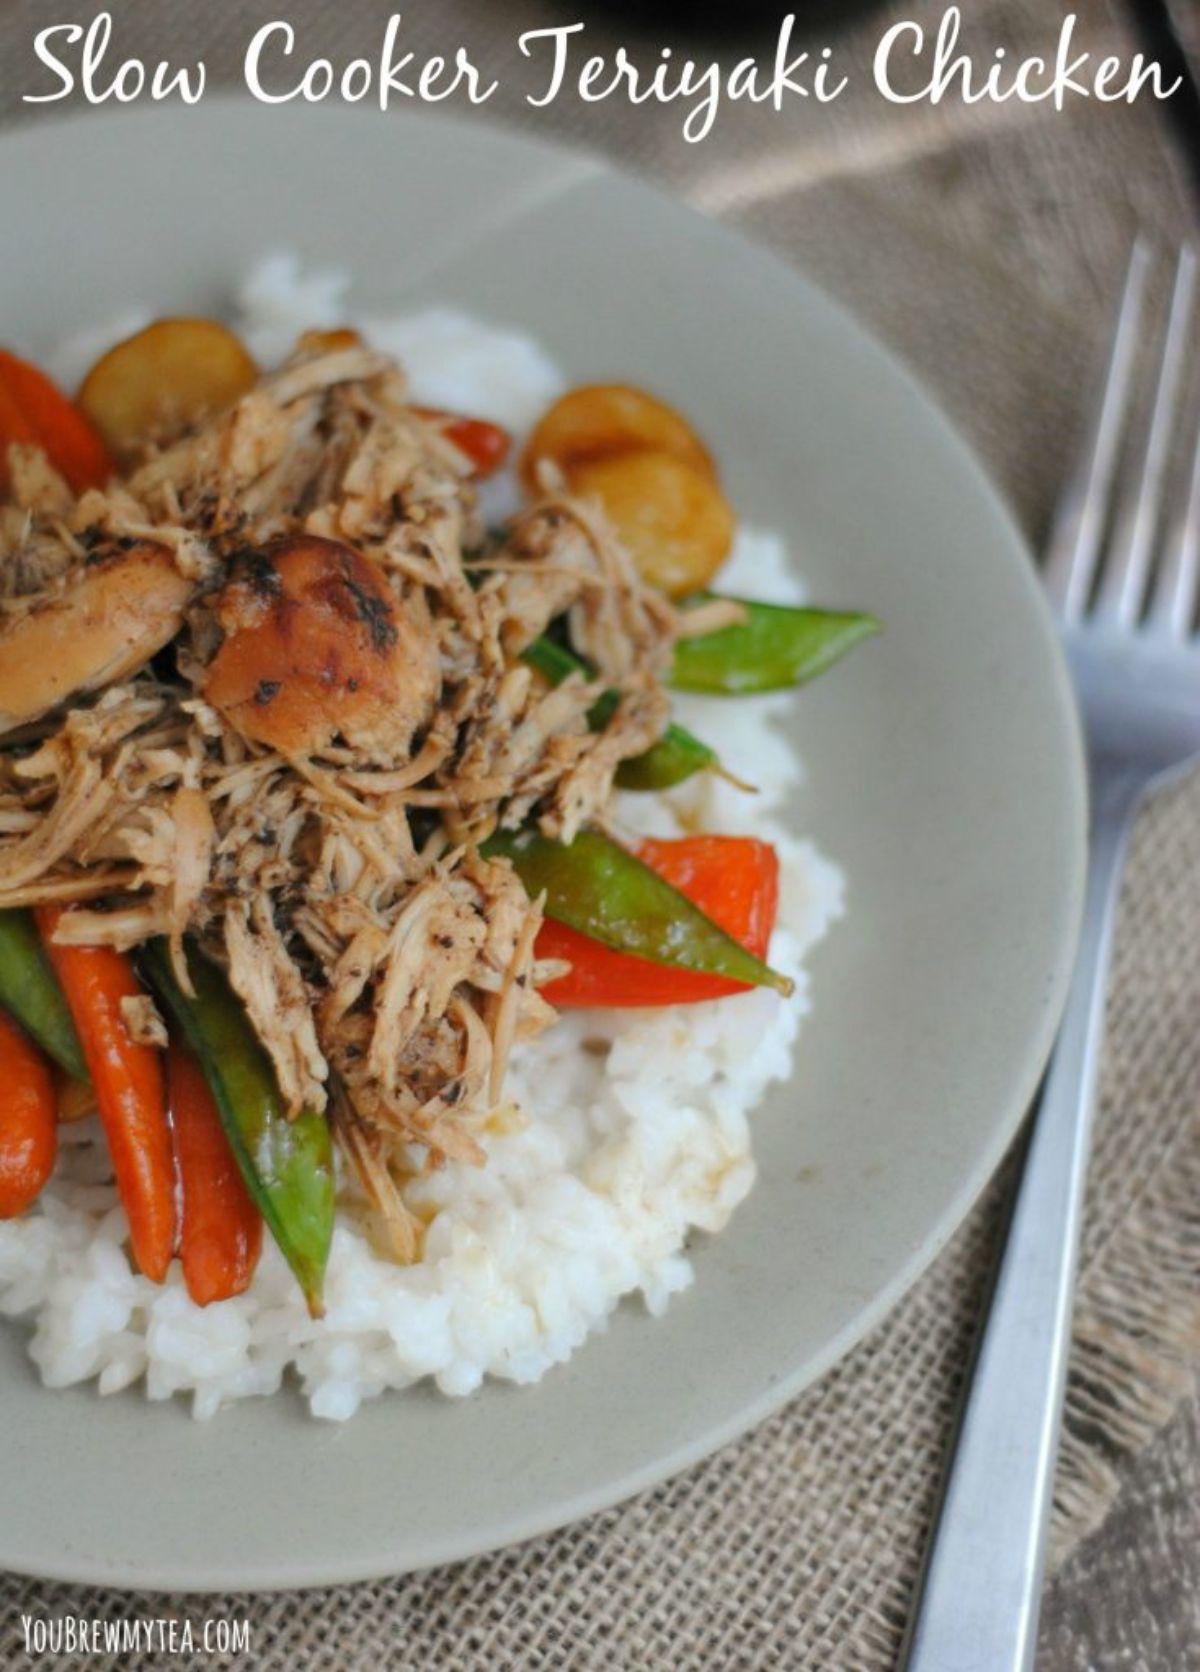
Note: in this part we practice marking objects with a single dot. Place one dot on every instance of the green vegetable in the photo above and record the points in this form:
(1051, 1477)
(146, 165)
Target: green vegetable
(29, 990)
(552, 660)
(287, 1164)
(676, 755)
(600, 888)
(775, 647)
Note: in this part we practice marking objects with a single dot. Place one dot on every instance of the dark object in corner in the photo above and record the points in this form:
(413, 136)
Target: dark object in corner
(1174, 41)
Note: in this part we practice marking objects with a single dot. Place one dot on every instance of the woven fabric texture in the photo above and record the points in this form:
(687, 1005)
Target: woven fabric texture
(984, 245)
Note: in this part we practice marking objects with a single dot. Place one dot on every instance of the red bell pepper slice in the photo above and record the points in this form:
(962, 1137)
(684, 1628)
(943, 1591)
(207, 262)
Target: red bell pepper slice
(34, 411)
(486, 445)
(733, 879)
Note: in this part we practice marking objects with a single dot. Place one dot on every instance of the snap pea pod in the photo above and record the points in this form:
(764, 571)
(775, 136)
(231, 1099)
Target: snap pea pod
(595, 885)
(675, 756)
(30, 992)
(552, 660)
(287, 1164)
(774, 648)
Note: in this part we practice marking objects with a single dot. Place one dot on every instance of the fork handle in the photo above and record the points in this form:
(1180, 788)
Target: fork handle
(979, 1599)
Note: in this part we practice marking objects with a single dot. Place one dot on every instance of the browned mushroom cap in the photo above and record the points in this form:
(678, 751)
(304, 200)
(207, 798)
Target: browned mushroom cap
(317, 646)
(108, 619)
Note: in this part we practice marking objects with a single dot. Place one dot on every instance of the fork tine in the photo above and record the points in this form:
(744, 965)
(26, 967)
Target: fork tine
(1131, 547)
(1074, 543)
(1173, 609)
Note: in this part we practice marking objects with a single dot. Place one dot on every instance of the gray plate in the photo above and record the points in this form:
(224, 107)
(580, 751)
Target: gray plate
(944, 773)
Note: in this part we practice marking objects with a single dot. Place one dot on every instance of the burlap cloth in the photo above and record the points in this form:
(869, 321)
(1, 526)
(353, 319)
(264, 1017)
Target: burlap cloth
(984, 245)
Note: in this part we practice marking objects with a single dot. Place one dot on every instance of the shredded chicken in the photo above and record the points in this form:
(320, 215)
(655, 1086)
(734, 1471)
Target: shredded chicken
(303, 732)
(142, 1021)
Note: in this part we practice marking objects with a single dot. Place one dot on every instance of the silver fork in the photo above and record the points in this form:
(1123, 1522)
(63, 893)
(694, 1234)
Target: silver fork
(1122, 577)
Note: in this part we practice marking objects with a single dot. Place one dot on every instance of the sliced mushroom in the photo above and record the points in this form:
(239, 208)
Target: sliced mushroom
(106, 620)
(318, 646)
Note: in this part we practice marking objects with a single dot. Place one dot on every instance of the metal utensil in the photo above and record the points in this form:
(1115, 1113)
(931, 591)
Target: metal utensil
(1122, 572)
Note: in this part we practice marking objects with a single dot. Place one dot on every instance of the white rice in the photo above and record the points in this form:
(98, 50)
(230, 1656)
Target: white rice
(627, 1130)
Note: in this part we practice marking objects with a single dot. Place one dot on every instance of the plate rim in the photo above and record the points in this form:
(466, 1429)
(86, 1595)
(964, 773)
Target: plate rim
(269, 1577)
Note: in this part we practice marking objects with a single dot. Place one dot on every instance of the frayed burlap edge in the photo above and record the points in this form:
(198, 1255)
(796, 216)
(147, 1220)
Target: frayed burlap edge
(1137, 1340)
(1136, 1343)
(1136, 1330)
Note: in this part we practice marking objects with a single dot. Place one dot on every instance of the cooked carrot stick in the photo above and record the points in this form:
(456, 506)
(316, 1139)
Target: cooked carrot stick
(28, 1120)
(220, 1230)
(34, 411)
(130, 1089)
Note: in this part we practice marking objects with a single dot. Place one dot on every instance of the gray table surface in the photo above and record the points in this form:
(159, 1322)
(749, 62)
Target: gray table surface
(985, 244)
